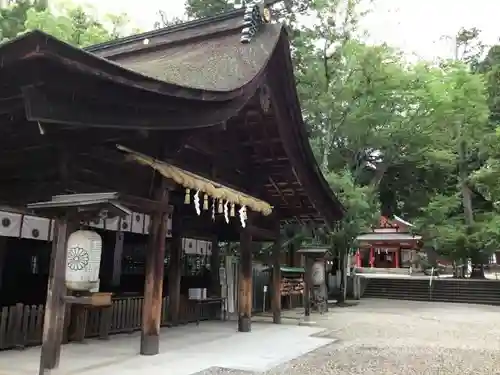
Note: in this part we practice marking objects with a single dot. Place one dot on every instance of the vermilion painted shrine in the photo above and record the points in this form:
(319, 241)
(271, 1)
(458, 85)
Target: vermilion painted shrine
(198, 123)
(390, 245)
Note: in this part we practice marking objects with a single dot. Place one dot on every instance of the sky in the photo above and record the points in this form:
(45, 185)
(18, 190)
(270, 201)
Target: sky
(415, 26)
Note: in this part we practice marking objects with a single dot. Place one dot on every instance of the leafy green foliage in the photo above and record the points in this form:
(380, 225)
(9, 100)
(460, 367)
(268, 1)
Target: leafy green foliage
(362, 209)
(287, 11)
(73, 24)
(201, 8)
(412, 133)
(164, 20)
(13, 17)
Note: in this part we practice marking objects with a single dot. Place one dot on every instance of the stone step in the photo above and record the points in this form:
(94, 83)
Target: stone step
(441, 290)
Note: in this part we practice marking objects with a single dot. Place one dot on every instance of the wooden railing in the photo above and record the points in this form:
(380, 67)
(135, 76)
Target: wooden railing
(21, 325)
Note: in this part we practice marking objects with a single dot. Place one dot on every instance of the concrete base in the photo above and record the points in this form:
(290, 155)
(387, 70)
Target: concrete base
(150, 345)
(308, 322)
(244, 324)
(183, 351)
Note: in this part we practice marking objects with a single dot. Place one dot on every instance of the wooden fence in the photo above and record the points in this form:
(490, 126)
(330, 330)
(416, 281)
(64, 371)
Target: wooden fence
(21, 325)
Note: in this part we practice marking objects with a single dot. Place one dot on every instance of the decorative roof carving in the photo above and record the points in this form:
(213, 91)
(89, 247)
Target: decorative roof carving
(256, 14)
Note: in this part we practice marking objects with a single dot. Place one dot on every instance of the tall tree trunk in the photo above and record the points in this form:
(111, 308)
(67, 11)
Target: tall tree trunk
(379, 174)
(477, 262)
(326, 152)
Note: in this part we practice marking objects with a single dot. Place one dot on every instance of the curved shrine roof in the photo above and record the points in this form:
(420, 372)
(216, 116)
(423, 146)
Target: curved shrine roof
(219, 64)
(196, 74)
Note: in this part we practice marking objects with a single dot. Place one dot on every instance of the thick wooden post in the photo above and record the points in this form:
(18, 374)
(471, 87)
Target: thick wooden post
(276, 281)
(3, 255)
(53, 324)
(153, 287)
(308, 286)
(117, 259)
(174, 274)
(276, 276)
(245, 283)
(214, 268)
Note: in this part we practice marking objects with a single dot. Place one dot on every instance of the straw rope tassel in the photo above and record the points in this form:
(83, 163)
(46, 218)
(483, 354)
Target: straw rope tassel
(205, 202)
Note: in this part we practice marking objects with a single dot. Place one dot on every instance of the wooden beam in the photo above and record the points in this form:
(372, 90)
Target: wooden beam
(276, 279)
(261, 233)
(53, 323)
(145, 205)
(45, 104)
(245, 283)
(153, 287)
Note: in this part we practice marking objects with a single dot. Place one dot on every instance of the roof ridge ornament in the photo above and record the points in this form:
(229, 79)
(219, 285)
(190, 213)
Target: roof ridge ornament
(256, 14)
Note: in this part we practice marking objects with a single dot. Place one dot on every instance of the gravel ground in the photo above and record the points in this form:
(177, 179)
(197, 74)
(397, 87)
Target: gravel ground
(400, 337)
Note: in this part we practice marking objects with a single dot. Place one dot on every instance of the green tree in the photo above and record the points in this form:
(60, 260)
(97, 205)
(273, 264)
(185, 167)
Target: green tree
(490, 67)
(164, 20)
(287, 11)
(398, 128)
(362, 211)
(13, 17)
(77, 25)
(200, 8)
(457, 218)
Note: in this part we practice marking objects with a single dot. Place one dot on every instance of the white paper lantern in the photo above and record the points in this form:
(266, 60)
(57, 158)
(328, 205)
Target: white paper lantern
(318, 273)
(83, 260)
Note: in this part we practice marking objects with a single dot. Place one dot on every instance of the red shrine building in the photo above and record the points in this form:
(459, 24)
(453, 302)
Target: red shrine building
(390, 245)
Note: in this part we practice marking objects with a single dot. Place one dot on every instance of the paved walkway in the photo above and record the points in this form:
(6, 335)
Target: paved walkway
(376, 337)
(184, 350)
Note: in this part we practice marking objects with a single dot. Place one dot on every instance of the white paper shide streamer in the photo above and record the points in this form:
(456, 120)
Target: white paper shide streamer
(226, 212)
(197, 203)
(243, 216)
(213, 209)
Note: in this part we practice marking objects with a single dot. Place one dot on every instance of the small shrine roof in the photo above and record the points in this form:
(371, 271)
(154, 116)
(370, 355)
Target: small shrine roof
(288, 269)
(388, 237)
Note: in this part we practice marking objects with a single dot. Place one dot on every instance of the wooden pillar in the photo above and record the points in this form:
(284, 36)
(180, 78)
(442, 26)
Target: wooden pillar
(117, 259)
(372, 257)
(291, 253)
(214, 268)
(308, 286)
(3, 256)
(245, 283)
(174, 274)
(276, 281)
(53, 324)
(397, 257)
(153, 286)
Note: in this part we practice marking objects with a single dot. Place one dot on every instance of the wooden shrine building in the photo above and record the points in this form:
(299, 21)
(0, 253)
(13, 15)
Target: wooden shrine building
(390, 245)
(202, 116)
